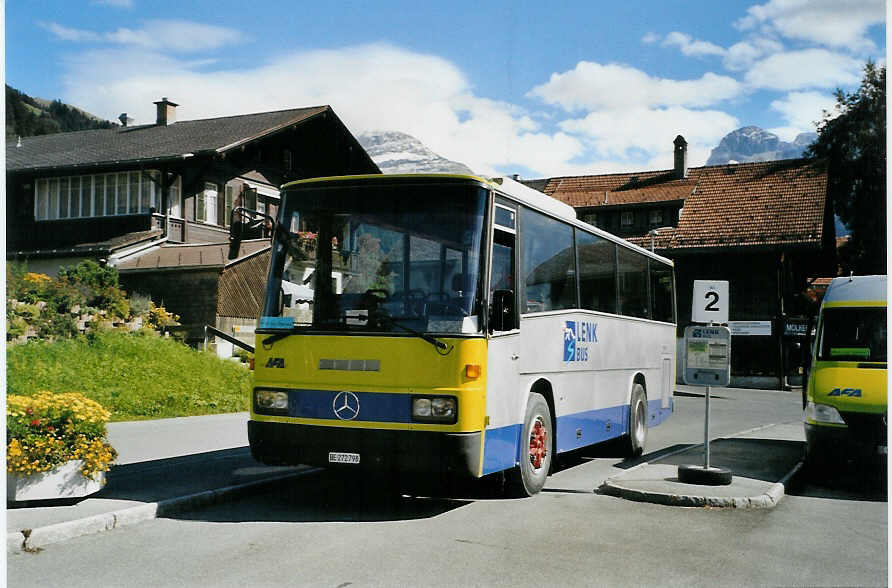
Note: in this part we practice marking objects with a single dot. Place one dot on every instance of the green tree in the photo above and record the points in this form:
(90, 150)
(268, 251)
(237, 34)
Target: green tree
(852, 139)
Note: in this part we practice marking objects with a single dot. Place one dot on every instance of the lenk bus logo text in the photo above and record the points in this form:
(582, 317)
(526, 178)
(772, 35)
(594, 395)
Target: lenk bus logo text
(276, 362)
(850, 392)
(577, 336)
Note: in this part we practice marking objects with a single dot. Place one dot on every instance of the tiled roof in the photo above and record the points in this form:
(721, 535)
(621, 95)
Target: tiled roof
(148, 142)
(616, 189)
(765, 203)
(190, 256)
(769, 203)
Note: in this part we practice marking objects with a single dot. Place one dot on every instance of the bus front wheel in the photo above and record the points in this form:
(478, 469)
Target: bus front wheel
(637, 437)
(536, 451)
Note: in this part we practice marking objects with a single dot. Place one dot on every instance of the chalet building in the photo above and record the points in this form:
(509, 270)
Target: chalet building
(764, 227)
(166, 190)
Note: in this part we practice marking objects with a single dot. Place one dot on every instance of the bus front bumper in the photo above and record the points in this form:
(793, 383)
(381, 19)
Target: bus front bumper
(840, 444)
(378, 449)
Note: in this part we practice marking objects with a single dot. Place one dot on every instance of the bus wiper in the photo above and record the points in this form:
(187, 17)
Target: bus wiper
(267, 343)
(442, 348)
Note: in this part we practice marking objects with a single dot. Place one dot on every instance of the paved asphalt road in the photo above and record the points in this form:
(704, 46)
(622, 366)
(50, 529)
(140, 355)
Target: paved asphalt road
(330, 530)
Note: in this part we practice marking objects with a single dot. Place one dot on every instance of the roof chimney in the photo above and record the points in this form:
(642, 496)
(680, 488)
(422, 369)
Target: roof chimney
(167, 112)
(681, 157)
(125, 120)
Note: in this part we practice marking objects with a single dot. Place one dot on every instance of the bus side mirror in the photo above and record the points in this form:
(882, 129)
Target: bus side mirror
(502, 314)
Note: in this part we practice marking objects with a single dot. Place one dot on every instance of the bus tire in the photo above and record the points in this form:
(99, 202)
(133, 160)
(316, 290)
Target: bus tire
(536, 448)
(636, 439)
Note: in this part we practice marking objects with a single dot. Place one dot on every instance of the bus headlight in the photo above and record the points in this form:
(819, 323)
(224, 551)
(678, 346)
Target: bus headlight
(821, 413)
(270, 401)
(437, 409)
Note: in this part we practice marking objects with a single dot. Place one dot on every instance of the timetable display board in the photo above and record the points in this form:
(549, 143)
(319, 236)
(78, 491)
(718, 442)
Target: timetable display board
(707, 355)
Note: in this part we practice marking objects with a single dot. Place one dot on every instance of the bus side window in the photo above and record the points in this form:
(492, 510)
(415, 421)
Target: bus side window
(503, 311)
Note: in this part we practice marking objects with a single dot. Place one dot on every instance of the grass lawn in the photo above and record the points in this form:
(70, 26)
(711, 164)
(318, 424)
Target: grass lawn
(134, 376)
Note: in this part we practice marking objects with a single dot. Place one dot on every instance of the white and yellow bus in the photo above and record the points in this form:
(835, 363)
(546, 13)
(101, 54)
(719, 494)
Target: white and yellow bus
(440, 323)
(846, 396)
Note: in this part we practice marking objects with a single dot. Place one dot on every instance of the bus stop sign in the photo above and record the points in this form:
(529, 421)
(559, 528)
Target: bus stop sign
(710, 302)
(707, 356)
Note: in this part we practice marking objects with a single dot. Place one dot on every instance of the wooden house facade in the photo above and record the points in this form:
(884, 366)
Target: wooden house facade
(117, 194)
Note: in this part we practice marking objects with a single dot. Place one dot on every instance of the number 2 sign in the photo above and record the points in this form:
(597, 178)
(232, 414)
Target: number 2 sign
(711, 301)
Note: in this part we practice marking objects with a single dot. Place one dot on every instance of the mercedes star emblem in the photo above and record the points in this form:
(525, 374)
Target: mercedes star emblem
(345, 405)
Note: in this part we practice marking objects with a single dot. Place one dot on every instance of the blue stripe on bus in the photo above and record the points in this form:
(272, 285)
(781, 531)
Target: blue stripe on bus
(501, 447)
(373, 406)
(658, 414)
(593, 426)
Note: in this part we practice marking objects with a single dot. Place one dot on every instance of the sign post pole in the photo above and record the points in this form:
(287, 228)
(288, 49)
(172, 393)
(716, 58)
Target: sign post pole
(706, 429)
(707, 363)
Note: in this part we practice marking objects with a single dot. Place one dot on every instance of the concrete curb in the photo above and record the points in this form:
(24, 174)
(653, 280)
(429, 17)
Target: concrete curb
(36, 539)
(769, 499)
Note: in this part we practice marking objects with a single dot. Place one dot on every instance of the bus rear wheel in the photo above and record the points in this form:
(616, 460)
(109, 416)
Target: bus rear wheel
(637, 437)
(537, 444)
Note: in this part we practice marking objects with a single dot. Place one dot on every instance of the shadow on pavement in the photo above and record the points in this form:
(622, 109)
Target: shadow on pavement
(858, 481)
(335, 497)
(768, 460)
(152, 481)
(698, 395)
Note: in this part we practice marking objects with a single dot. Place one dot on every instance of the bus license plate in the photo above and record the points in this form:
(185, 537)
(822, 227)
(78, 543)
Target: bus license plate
(337, 457)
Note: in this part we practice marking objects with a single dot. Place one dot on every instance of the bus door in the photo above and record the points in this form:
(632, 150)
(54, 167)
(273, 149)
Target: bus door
(503, 372)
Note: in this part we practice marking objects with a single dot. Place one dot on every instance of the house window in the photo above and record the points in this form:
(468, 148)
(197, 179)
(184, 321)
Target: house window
(121, 196)
(227, 212)
(149, 191)
(95, 195)
(86, 196)
(174, 199)
(655, 217)
(249, 198)
(64, 195)
(627, 219)
(111, 183)
(206, 204)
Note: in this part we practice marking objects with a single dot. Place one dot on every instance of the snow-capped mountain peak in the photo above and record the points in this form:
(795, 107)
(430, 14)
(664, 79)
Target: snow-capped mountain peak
(398, 153)
(748, 144)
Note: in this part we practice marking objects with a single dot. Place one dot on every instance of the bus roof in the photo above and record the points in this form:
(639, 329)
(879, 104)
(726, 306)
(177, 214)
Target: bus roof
(857, 289)
(504, 185)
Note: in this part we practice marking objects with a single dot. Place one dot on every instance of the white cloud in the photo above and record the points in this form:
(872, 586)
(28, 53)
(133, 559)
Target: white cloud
(594, 86)
(836, 23)
(376, 86)
(159, 35)
(809, 68)
(64, 33)
(801, 110)
(742, 55)
(691, 47)
(650, 38)
(642, 135)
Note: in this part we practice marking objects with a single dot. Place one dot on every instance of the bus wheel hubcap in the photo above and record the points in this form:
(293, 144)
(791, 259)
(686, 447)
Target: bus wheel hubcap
(538, 443)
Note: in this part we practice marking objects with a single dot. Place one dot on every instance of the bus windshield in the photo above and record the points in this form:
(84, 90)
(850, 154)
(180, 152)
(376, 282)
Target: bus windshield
(382, 258)
(853, 334)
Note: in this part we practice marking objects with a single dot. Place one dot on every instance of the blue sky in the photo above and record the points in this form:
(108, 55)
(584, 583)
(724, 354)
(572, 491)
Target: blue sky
(536, 88)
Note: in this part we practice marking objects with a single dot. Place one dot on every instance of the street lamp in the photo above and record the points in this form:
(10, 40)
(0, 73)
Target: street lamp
(653, 233)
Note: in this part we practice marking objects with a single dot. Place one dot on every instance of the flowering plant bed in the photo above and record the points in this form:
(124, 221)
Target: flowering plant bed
(55, 441)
